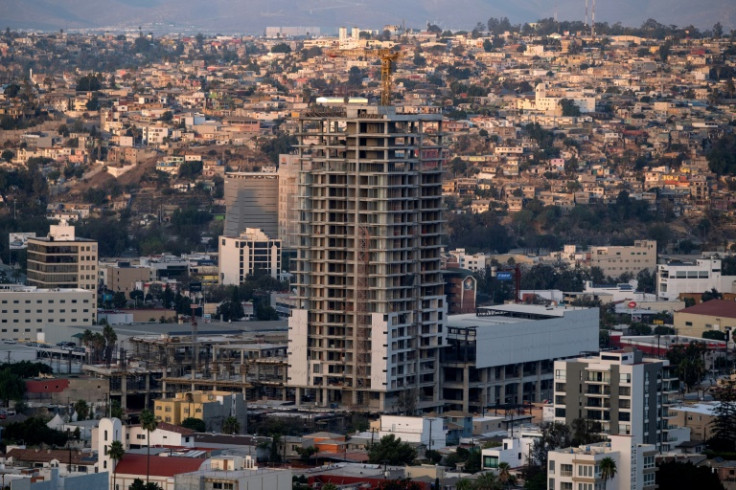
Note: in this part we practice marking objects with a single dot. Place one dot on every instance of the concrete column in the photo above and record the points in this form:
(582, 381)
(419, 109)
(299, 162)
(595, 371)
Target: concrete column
(538, 384)
(123, 391)
(466, 388)
(148, 390)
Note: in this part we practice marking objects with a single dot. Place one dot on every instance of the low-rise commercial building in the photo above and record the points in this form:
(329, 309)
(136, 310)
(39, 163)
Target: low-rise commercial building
(31, 314)
(211, 406)
(716, 315)
(676, 277)
(504, 354)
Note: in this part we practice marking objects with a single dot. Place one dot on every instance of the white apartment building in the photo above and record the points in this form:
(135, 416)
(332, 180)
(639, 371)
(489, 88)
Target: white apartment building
(579, 468)
(253, 252)
(676, 277)
(623, 391)
(471, 262)
(514, 450)
(31, 314)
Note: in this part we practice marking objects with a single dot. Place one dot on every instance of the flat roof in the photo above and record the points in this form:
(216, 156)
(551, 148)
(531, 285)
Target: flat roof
(508, 314)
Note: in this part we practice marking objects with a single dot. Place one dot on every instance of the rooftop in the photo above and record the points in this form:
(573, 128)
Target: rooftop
(168, 466)
(714, 307)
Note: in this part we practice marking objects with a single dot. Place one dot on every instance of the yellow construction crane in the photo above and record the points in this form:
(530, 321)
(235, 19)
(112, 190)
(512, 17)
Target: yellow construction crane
(387, 56)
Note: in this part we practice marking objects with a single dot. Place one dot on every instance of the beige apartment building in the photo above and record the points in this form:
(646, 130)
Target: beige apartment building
(122, 277)
(61, 260)
(614, 261)
(31, 314)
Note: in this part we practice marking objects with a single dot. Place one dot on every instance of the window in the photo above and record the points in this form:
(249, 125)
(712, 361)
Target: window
(566, 485)
(566, 470)
(551, 468)
(585, 470)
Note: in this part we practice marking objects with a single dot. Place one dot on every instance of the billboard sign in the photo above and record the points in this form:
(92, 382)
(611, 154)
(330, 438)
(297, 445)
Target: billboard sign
(503, 276)
(19, 241)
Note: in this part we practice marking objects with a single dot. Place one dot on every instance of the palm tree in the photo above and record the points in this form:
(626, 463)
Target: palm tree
(608, 470)
(115, 451)
(464, 484)
(504, 474)
(486, 481)
(231, 426)
(149, 424)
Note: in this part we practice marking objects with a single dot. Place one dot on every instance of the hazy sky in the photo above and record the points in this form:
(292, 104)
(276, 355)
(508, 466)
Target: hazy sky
(252, 16)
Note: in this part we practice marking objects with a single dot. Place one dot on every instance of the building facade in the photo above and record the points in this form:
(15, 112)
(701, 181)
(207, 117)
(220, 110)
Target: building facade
(288, 200)
(504, 354)
(212, 406)
(716, 315)
(252, 253)
(252, 201)
(677, 277)
(614, 261)
(61, 260)
(368, 325)
(31, 314)
(580, 468)
(623, 391)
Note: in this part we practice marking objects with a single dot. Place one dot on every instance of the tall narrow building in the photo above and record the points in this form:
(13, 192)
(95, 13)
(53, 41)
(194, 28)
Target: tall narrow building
(368, 326)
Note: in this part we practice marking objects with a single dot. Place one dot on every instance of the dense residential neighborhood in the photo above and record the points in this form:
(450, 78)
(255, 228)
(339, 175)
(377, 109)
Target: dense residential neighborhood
(390, 258)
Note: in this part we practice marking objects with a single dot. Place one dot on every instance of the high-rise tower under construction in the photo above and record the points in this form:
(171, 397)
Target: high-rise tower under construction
(368, 325)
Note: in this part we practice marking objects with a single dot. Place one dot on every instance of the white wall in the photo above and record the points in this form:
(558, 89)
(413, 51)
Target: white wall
(534, 340)
(298, 368)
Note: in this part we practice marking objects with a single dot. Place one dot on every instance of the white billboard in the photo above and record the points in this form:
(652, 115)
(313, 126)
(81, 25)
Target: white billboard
(19, 241)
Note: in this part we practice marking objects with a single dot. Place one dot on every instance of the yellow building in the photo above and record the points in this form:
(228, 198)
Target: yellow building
(714, 315)
(211, 406)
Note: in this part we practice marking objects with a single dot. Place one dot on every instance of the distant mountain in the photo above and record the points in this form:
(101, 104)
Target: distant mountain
(252, 16)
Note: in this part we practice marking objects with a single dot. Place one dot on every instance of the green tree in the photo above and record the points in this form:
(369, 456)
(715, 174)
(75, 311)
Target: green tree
(81, 408)
(116, 410)
(674, 475)
(108, 333)
(136, 296)
(118, 300)
(687, 360)
(231, 426)
(116, 452)
(569, 108)
(194, 424)
(724, 423)
(12, 386)
(391, 450)
(608, 470)
(139, 484)
(464, 484)
(281, 48)
(504, 474)
(715, 335)
(149, 424)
